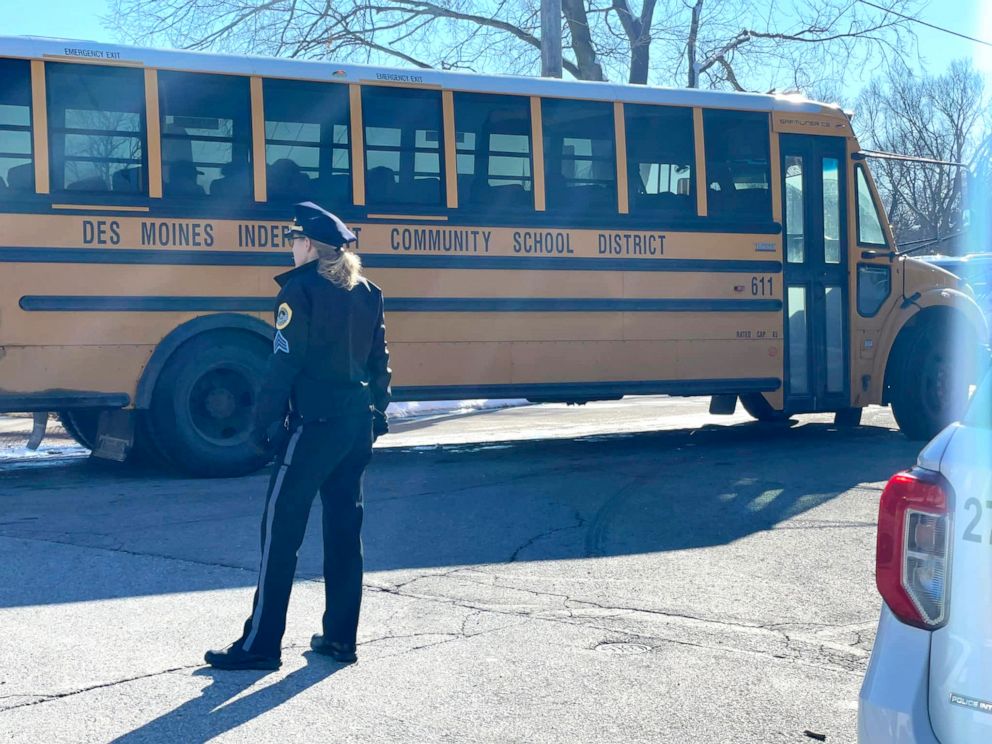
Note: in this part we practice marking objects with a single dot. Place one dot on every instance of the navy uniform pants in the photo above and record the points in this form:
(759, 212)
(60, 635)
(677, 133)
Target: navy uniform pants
(329, 457)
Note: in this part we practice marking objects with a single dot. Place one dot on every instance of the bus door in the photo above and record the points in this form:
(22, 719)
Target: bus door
(815, 273)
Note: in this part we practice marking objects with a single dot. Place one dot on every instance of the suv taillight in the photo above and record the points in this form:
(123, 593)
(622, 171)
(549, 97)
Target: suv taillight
(912, 554)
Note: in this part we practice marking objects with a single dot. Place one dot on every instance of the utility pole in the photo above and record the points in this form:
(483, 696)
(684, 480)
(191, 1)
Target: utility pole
(551, 38)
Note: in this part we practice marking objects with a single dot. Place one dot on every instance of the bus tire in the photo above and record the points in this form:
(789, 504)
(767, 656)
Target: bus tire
(928, 393)
(146, 450)
(81, 425)
(204, 401)
(758, 407)
(848, 417)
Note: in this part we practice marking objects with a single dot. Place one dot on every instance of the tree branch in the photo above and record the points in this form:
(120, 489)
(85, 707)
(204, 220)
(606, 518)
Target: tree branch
(731, 77)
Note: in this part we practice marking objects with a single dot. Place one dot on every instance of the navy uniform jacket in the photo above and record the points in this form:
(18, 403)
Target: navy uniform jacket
(329, 355)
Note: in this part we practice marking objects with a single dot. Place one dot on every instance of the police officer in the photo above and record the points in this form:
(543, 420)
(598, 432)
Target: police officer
(330, 365)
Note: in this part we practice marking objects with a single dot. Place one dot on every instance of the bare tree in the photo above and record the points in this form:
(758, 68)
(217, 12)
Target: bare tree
(979, 196)
(942, 117)
(805, 43)
(724, 44)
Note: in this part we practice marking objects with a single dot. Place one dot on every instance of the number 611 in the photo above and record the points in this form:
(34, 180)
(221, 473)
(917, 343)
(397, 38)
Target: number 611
(762, 286)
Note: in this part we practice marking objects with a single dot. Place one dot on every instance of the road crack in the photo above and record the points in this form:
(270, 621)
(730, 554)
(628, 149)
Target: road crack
(47, 698)
(124, 551)
(580, 522)
(793, 649)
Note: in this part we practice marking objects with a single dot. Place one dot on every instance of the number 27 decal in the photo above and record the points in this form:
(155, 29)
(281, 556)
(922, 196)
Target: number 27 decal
(969, 532)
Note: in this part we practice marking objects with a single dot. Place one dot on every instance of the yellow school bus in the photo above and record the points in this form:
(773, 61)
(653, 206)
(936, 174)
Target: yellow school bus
(541, 239)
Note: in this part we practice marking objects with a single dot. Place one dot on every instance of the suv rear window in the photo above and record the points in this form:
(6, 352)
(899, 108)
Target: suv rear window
(980, 410)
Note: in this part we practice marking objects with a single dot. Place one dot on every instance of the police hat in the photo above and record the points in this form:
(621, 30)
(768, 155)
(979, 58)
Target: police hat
(318, 224)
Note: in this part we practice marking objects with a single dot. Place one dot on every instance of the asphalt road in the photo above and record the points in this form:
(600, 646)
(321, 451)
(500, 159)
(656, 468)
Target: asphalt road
(621, 572)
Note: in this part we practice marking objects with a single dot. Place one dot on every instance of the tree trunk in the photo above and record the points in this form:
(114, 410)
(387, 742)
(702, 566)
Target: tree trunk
(640, 59)
(585, 52)
(690, 52)
(638, 32)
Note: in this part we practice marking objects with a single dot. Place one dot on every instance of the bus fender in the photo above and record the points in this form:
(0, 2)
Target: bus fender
(962, 301)
(183, 333)
(911, 312)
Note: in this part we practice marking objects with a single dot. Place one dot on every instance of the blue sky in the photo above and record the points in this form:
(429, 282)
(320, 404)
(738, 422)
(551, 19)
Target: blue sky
(80, 19)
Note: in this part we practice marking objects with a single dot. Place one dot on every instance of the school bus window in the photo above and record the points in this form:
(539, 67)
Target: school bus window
(737, 165)
(16, 162)
(660, 153)
(795, 210)
(206, 135)
(833, 228)
(870, 230)
(307, 144)
(579, 158)
(402, 146)
(493, 136)
(96, 127)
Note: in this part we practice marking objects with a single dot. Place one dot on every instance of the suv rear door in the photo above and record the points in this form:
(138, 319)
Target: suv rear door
(961, 651)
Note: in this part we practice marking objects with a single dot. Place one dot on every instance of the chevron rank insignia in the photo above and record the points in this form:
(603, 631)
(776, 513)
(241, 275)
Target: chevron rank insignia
(279, 343)
(283, 316)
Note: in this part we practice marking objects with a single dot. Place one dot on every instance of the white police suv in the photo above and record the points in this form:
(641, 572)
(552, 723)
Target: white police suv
(930, 675)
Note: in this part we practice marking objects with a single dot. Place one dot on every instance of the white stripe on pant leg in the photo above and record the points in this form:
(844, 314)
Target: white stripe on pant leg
(256, 619)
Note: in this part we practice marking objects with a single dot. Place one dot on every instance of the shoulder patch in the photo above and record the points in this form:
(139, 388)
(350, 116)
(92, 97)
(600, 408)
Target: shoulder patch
(283, 316)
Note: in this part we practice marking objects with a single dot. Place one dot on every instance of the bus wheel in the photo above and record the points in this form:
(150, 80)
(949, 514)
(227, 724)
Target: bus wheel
(758, 407)
(203, 405)
(848, 417)
(931, 388)
(146, 450)
(81, 425)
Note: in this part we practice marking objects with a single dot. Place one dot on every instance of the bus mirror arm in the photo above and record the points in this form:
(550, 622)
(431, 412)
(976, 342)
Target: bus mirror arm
(910, 247)
(919, 245)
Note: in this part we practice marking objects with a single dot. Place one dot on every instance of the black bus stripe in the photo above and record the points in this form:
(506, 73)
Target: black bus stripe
(575, 305)
(589, 390)
(97, 303)
(207, 209)
(125, 256)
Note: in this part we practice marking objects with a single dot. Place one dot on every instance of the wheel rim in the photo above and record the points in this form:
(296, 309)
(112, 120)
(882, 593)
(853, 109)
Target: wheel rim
(220, 405)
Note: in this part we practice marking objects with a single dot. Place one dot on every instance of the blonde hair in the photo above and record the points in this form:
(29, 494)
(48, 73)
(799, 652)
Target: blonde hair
(342, 268)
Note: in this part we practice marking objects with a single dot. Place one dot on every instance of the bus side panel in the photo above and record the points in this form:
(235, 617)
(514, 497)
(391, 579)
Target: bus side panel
(235, 261)
(101, 369)
(434, 327)
(30, 284)
(455, 328)
(523, 363)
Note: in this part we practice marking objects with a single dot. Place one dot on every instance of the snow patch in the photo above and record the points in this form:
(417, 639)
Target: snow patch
(433, 407)
(43, 452)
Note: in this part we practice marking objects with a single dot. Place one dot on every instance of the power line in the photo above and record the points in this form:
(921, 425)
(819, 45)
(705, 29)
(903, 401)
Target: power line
(928, 25)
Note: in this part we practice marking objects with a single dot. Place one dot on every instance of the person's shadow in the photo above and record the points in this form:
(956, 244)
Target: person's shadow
(207, 716)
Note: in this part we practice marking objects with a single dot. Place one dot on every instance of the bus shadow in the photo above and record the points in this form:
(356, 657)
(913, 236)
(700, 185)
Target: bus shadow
(615, 495)
(428, 508)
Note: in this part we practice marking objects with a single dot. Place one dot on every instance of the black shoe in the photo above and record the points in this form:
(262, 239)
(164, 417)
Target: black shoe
(343, 653)
(235, 657)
